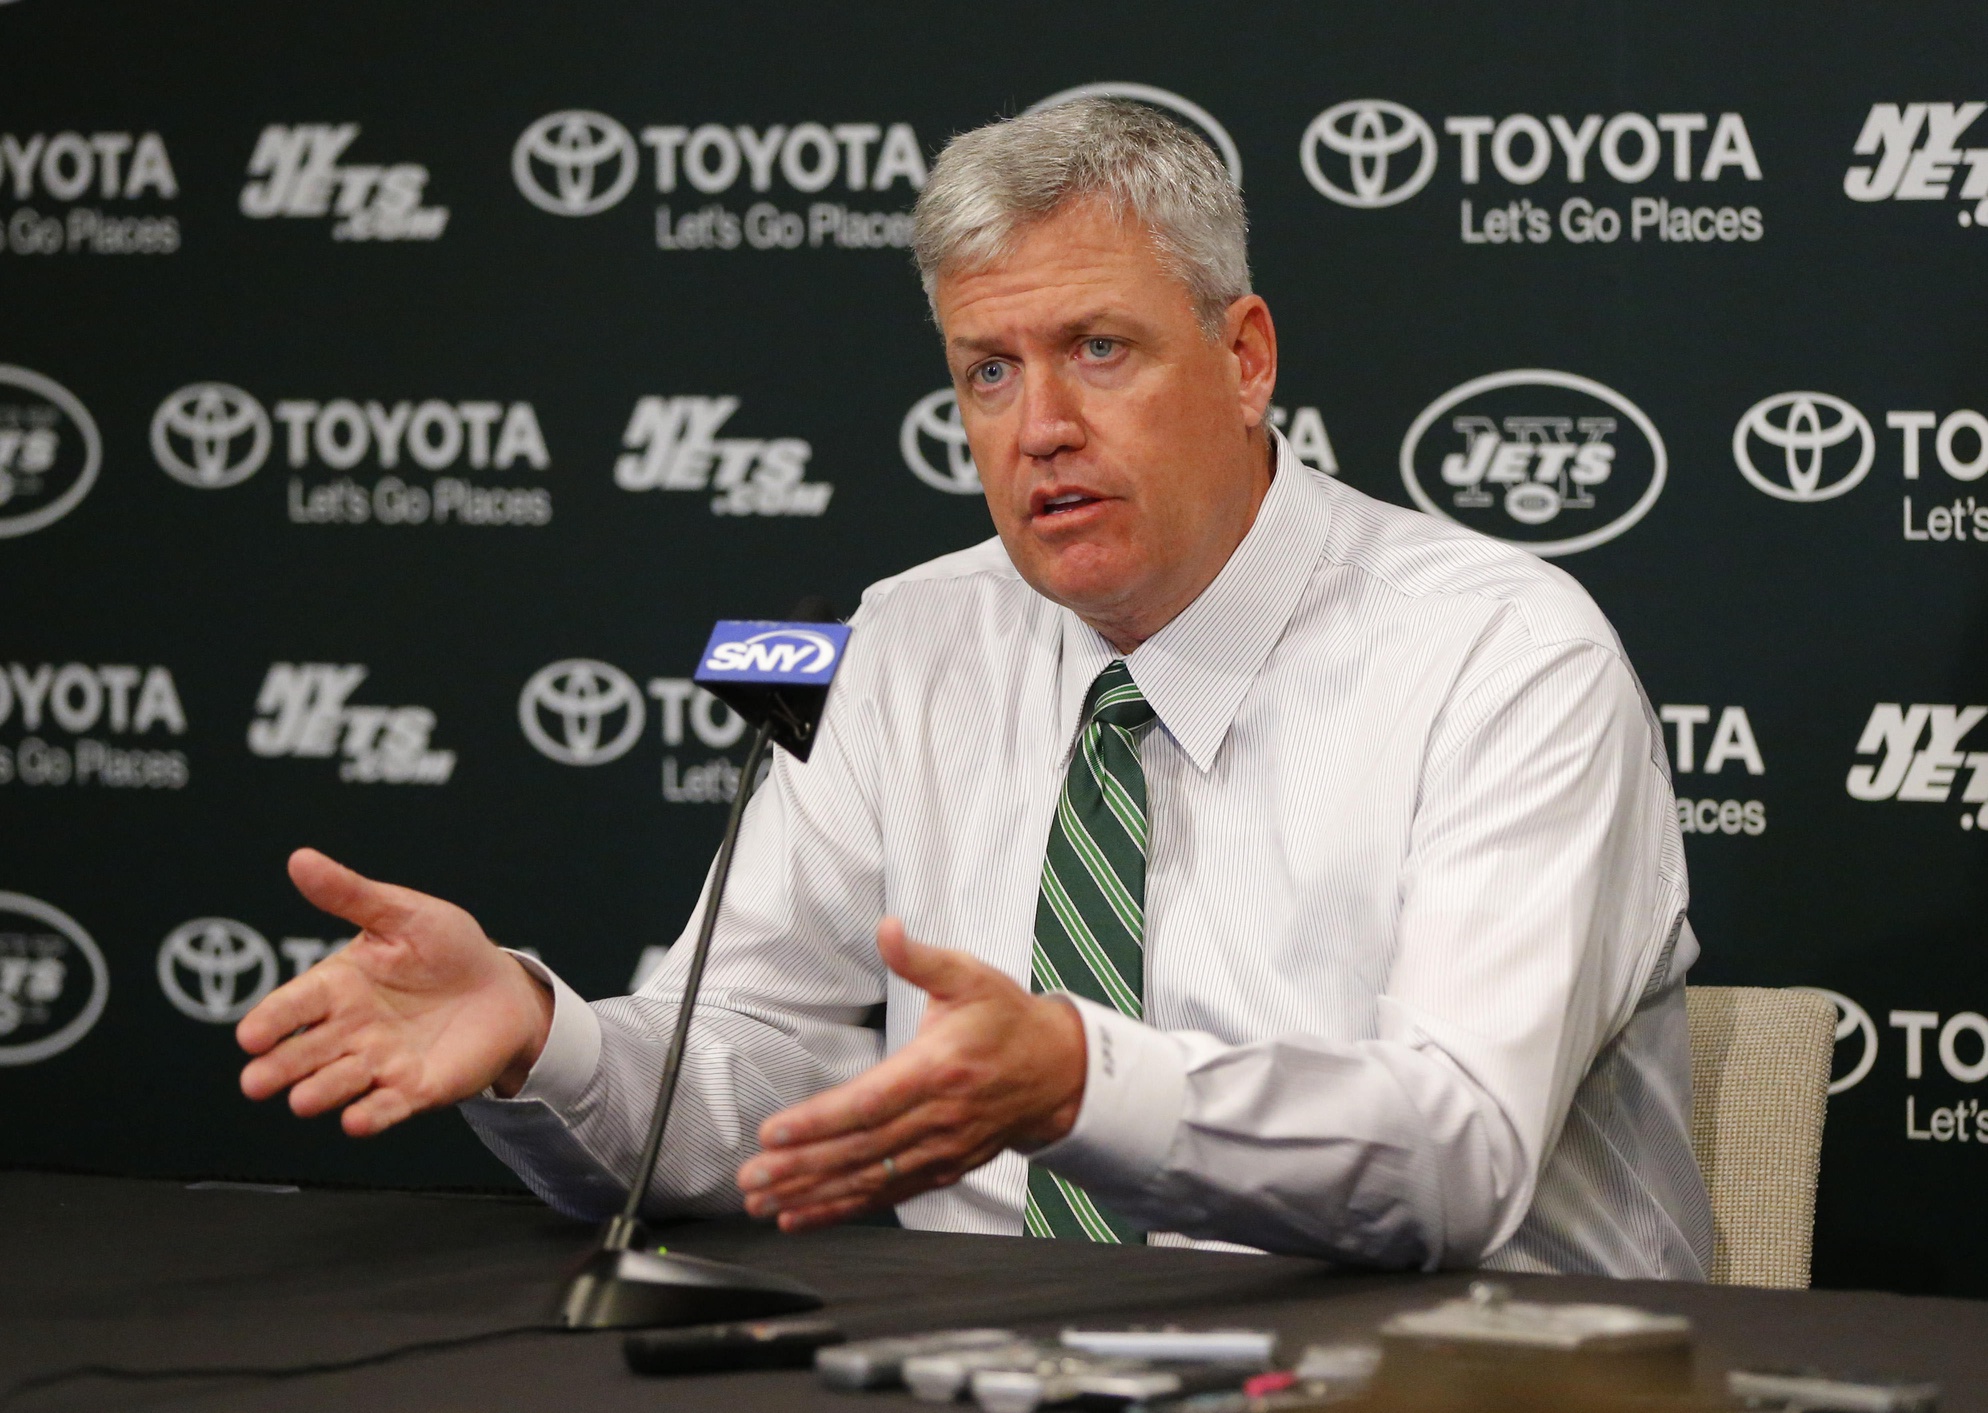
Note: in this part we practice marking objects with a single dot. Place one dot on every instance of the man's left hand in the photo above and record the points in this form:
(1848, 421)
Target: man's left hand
(991, 1067)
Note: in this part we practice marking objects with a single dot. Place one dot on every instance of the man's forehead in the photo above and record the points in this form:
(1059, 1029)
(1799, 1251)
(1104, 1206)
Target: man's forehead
(1062, 277)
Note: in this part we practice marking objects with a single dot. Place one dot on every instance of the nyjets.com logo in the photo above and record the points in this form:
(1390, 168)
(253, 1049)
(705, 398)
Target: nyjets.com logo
(89, 180)
(303, 711)
(1369, 153)
(213, 435)
(584, 712)
(1917, 155)
(673, 445)
(1549, 461)
(1922, 755)
(578, 162)
(297, 171)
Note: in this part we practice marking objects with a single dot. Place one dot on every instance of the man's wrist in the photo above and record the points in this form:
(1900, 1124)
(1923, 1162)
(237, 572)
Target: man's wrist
(537, 1006)
(1061, 1036)
(1135, 1094)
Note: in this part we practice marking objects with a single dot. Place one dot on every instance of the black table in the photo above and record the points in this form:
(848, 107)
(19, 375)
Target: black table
(151, 1274)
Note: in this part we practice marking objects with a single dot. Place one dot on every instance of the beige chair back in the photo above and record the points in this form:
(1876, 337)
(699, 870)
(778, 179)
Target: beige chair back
(1760, 1061)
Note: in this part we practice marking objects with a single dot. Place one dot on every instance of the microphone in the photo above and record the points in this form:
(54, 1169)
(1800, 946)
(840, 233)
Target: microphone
(776, 674)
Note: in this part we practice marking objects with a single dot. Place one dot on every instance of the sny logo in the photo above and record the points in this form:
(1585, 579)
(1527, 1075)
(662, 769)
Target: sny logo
(673, 445)
(295, 171)
(797, 653)
(1906, 770)
(1536, 445)
(1917, 147)
(302, 712)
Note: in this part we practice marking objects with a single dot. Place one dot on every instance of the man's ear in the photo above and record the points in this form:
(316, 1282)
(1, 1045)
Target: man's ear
(1251, 337)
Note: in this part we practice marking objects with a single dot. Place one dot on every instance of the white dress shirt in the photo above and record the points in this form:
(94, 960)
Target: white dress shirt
(1415, 903)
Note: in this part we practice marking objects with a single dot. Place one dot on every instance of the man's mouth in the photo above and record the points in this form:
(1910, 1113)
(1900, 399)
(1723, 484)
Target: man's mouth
(1063, 503)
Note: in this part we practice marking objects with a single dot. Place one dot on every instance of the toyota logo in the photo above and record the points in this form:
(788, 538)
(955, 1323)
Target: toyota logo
(210, 435)
(1217, 135)
(230, 965)
(1373, 136)
(1805, 436)
(935, 418)
(1851, 1019)
(589, 157)
(581, 712)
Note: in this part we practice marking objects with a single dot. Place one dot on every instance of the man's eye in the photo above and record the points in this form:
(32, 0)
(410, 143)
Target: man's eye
(1100, 348)
(989, 374)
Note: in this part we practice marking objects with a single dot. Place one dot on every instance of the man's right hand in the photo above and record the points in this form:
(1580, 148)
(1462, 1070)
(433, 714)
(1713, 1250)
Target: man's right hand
(419, 1010)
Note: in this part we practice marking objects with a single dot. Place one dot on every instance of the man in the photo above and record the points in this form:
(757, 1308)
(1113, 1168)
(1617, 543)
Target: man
(1360, 925)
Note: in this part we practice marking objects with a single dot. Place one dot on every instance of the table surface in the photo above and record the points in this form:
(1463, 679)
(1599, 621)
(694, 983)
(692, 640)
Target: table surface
(154, 1275)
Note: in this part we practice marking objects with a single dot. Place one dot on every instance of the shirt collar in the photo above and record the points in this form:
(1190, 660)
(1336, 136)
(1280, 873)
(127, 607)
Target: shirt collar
(1196, 671)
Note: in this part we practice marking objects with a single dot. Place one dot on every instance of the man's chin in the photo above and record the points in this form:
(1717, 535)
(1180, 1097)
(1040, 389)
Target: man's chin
(1093, 592)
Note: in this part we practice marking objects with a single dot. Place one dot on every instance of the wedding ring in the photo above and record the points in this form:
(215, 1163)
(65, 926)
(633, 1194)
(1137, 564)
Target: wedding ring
(890, 1167)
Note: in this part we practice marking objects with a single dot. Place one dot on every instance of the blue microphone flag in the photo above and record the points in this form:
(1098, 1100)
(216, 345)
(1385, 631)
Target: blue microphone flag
(774, 673)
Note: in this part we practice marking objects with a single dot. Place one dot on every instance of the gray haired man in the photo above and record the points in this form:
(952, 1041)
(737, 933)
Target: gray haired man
(1291, 869)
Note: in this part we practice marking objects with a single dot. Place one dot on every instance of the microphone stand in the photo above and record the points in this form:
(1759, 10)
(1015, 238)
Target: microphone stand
(624, 1285)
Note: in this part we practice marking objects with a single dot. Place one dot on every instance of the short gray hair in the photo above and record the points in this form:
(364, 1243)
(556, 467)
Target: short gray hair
(992, 183)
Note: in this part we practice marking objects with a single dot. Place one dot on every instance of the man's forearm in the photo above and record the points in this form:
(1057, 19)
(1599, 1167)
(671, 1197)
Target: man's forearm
(1377, 1153)
(578, 1145)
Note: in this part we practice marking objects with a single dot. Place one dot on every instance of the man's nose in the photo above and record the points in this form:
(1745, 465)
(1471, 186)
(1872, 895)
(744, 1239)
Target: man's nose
(1052, 419)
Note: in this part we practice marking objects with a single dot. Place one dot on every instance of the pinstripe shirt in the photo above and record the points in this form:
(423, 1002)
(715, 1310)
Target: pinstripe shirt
(1415, 901)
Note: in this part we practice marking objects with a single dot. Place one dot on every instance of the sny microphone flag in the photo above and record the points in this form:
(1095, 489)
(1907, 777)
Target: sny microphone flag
(775, 673)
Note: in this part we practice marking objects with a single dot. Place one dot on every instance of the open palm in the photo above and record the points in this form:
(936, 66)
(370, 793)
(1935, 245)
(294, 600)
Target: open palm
(420, 1010)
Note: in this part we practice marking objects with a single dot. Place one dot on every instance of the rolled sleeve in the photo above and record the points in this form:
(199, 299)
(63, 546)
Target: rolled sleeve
(1135, 1092)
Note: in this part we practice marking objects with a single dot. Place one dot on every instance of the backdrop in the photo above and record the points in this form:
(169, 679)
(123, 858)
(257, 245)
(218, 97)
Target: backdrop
(393, 396)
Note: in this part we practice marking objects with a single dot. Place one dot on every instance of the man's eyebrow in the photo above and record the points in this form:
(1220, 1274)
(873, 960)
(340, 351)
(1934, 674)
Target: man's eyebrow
(1070, 329)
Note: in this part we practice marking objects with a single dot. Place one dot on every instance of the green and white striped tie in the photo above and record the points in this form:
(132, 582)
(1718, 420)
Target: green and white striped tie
(1090, 921)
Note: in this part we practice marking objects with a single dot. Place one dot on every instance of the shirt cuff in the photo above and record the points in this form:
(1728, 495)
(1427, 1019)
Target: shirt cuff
(572, 1046)
(1135, 1091)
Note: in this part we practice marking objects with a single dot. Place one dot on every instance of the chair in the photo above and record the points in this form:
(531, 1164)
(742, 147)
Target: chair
(1760, 1062)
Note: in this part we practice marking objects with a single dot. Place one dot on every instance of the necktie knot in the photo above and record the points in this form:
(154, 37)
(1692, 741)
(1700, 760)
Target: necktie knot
(1117, 701)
